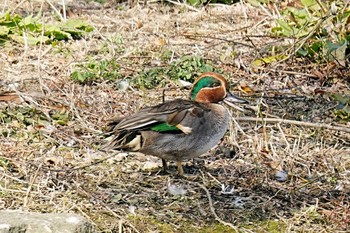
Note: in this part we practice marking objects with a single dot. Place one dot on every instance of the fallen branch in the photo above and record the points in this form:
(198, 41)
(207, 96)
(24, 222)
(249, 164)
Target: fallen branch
(212, 209)
(292, 122)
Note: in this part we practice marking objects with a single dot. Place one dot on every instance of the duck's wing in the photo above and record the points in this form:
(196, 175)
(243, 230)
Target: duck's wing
(165, 118)
(161, 118)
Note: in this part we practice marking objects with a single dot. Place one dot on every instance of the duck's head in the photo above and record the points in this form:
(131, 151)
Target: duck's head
(212, 87)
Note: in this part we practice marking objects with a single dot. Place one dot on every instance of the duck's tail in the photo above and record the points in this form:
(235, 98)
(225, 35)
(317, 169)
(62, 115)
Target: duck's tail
(129, 140)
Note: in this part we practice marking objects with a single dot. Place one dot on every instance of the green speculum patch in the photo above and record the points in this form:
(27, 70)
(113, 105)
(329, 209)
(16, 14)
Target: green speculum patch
(164, 127)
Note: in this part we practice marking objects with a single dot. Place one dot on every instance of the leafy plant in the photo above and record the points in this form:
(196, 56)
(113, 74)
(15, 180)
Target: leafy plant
(30, 30)
(319, 28)
(96, 71)
(342, 113)
(185, 69)
(204, 2)
(24, 117)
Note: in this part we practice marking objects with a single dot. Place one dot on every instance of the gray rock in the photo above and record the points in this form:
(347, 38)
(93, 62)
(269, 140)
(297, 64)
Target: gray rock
(30, 222)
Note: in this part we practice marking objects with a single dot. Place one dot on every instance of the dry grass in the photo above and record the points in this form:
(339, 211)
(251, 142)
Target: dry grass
(234, 184)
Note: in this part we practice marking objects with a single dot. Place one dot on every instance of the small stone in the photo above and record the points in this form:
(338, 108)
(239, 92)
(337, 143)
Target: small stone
(117, 158)
(140, 157)
(183, 83)
(123, 85)
(239, 202)
(150, 166)
(31, 222)
(281, 175)
(135, 175)
(176, 189)
(132, 209)
(227, 189)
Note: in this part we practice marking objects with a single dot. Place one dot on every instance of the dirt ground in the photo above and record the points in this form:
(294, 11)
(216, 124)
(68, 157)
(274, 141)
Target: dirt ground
(264, 176)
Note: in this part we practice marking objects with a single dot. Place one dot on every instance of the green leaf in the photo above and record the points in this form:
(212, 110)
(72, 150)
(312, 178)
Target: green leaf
(13, 26)
(286, 29)
(343, 99)
(56, 33)
(303, 52)
(79, 24)
(254, 3)
(4, 31)
(61, 118)
(311, 4)
(194, 2)
(78, 76)
(336, 51)
(29, 39)
(266, 60)
(76, 27)
(29, 23)
(7, 20)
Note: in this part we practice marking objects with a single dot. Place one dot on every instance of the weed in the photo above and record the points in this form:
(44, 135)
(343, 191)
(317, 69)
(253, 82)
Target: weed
(342, 112)
(155, 225)
(30, 30)
(96, 71)
(319, 29)
(186, 68)
(204, 2)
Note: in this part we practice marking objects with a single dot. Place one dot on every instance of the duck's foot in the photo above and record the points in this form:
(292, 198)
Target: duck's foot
(164, 170)
(180, 169)
(182, 175)
(165, 165)
(179, 173)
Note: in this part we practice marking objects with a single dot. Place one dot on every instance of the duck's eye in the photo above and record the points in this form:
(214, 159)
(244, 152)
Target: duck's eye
(214, 84)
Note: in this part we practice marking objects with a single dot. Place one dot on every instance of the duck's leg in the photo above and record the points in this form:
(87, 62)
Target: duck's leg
(165, 166)
(179, 168)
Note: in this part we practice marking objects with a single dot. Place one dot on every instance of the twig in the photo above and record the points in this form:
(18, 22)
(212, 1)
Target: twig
(64, 10)
(120, 217)
(55, 10)
(308, 182)
(29, 189)
(286, 72)
(190, 35)
(243, 7)
(13, 11)
(212, 209)
(322, 7)
(293, 122)
(80, 167)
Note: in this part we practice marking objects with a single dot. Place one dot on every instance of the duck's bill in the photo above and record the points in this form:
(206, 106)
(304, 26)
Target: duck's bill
(232, 100)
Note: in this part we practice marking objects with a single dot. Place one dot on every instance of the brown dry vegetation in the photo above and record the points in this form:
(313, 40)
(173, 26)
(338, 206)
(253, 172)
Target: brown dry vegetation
(118, 195)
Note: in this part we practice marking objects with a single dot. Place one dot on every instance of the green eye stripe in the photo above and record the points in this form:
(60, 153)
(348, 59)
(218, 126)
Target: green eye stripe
(203, 83)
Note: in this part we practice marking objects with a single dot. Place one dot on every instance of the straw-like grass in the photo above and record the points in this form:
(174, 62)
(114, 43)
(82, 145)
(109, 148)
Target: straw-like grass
(46, 166)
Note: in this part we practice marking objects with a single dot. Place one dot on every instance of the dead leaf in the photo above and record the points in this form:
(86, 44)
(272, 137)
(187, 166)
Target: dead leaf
(276, 165)
(264, 152)
(139, 24)
(10, 97)
(318, 74)
(161, 42)
(320, 91)
(245, 88)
